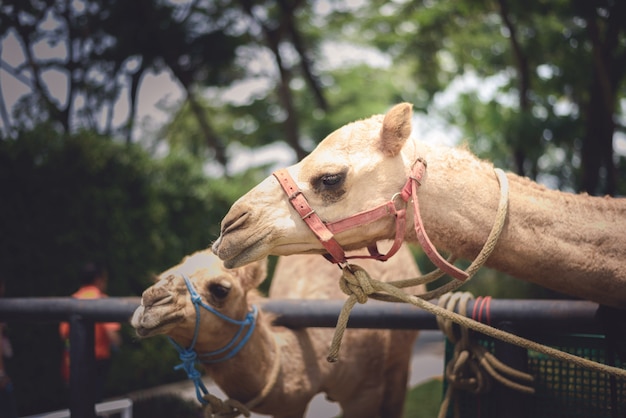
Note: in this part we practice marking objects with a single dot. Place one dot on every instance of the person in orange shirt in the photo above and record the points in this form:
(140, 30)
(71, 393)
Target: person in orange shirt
(106, 334)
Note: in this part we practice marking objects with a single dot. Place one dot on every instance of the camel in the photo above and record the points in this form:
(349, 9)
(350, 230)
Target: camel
(369, 380)
(571, 243)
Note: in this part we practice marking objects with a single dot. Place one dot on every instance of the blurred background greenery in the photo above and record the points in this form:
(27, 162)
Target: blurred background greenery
(86, 173)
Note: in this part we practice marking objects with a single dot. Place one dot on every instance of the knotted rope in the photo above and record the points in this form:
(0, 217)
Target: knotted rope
(472, 367)
(188, 358)
(398, 294)
(359, 287)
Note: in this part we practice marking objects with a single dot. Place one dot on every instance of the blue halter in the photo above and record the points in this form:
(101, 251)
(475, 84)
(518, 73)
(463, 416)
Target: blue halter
(189, 357)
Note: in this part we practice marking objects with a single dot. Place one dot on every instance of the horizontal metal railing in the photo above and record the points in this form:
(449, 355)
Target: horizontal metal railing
(534, 316)
(562, 315)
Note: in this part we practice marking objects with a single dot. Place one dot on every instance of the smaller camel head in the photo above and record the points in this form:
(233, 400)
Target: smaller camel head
(355, 168)
(166, 307)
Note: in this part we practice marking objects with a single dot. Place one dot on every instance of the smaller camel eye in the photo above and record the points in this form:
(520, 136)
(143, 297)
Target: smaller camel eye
(218, 291)
(330, 180)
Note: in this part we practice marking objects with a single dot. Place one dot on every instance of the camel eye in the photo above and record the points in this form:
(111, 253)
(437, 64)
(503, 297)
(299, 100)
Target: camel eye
(332, 180)
(218, 291)
(330, 186)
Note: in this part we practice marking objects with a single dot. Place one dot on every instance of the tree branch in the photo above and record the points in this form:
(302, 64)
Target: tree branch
(213, 141)
(272, 38)
(5, 114)
(305, 63)
(524, 81)
(132, 93)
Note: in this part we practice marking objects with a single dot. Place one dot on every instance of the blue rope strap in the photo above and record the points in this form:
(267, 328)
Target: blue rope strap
(189, 357)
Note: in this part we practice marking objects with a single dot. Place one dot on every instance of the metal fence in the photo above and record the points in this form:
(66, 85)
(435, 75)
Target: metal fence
(527, 317)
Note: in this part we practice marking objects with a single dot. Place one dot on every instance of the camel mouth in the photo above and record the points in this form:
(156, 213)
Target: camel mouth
(159, 301)
(241, 259)
(149, 326)
(254, 253)
(236, 223)
(143, 332)
(156, 318)
(236, 252)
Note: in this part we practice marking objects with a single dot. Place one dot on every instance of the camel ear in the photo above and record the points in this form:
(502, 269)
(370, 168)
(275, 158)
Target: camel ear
(251, 275)
(396, 128)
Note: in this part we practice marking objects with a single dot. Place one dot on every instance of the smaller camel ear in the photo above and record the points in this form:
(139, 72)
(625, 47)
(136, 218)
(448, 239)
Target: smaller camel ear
(396, 128)
(251, 275)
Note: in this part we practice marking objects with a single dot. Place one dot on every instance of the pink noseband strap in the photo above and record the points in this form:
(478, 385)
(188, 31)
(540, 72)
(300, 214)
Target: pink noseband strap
(325, 231)
(308, 215)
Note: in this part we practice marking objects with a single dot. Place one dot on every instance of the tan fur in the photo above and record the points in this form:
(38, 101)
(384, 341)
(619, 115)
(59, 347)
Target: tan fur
(574, 244)
(368, 381)
(396, 128)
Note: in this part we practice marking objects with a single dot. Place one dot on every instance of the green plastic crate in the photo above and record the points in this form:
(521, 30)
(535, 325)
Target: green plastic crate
(563, 390)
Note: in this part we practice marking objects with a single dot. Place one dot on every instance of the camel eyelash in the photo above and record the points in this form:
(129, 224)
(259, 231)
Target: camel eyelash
(218, 291)
(329, 181)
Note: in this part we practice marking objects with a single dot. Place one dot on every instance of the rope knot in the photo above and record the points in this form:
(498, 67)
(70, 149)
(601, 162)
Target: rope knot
(190, 370)
(355, 281)
(188, 356)
(464, 372)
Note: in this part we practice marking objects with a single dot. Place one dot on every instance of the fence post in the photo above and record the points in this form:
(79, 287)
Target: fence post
(82, 368)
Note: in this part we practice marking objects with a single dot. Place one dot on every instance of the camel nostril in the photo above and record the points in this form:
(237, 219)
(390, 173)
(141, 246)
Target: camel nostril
(235, 223)
(163, 300)
(156, 298)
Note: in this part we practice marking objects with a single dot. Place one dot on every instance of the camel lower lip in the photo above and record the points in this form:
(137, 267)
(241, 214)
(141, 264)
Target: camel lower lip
(143, 332)
(229, 253)
(160, 302)
(148, 331)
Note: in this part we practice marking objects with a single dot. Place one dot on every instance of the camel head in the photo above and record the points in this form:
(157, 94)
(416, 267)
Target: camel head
(359, 166)
(166, 306)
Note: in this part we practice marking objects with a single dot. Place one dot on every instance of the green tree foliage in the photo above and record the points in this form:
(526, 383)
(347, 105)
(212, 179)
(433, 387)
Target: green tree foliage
(72, 198)
(559, 69)
(564, 66)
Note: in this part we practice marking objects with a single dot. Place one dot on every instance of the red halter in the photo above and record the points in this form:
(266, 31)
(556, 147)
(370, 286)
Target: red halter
(325, 231)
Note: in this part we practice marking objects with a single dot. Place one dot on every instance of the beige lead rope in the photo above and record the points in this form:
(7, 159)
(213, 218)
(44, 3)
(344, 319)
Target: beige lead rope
(359, 286)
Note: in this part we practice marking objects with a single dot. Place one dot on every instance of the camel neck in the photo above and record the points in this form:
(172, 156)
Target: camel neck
(244, 376)
(566, 242)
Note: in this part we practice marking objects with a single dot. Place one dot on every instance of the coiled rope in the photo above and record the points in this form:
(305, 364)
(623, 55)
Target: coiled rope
(472, 368)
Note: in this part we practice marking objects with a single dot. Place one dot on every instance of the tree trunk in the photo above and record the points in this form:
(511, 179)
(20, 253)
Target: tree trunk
(598, 169)
(523, 74)
(599, 174)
